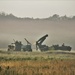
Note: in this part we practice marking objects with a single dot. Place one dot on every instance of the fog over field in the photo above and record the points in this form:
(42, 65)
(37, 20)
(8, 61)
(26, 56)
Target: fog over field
(32, 19)
(59, 31)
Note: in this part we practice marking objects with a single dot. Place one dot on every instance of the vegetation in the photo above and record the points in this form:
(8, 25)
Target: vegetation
(32, 67)
(37, 63)
(20, 55)
(56, 17)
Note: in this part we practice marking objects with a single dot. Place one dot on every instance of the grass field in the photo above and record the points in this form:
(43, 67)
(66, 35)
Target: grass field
(37, 63)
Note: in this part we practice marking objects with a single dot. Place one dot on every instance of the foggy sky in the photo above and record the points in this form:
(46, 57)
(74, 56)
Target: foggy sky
(38, 8)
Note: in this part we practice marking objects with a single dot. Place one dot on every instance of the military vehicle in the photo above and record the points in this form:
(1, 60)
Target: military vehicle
(11, 47)
(18, 45)
(62, 47)
(27, 47)
(39, 44)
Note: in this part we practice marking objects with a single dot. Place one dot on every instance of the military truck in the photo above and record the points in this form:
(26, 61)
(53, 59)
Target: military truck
(27, 47)
(39, 44)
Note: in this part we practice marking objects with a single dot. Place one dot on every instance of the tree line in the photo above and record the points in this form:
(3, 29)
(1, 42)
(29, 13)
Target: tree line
(56, 17)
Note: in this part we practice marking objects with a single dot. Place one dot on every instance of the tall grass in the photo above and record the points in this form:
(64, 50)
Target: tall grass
(32, 67)
(37, 63)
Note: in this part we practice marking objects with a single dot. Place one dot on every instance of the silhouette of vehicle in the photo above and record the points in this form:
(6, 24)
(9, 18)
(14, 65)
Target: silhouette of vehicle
(39, 44)
(62, 47)
(11, 47)
(27, 47)
(18, 45)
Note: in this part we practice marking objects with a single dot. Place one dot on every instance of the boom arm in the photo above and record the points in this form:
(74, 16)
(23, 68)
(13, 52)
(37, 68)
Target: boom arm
(28, 43)
(41, 40)
(13, 40)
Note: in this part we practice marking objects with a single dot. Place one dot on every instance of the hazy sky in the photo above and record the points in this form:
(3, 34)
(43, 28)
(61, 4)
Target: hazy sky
(38, 8)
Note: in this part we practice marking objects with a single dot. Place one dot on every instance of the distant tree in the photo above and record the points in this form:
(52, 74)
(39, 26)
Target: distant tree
(11, 16)
(65, 17)
(55, 17)
(5, 16)
(2, 14)
(73, 18)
